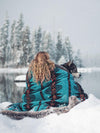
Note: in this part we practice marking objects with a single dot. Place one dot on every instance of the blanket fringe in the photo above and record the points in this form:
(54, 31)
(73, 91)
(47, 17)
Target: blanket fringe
(33, 114)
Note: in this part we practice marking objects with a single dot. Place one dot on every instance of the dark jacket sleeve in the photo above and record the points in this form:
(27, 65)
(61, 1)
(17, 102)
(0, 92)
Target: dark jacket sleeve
(61, 67)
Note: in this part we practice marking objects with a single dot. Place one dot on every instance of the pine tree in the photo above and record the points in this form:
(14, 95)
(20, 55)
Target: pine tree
(12, 41)
(43, 46)
(62, 60)
(68, 52)
(33, 43)
(77, 59)
(30, 47)
(18, 32)
(58, 47)
(38, 37)
(18, 40)
(5, 30)
(45, 42)
(12, 38)
(26, 47)
(8, 58)
(1, 47)
(65, 50)
(51, 47)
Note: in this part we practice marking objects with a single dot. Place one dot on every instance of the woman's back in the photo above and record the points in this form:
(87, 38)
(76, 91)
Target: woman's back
(47, 86)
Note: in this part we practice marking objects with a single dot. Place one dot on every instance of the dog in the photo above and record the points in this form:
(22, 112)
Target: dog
(71, 68)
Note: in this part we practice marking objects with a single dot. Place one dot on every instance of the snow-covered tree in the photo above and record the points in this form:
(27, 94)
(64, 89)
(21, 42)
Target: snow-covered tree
(18, 36)
(8, 58)
(19, 50)
(77, 59)
(12, 35)
(18, 32)
(4, 43)
(44, 40)
(32, 47)
(1, 47)
(58, 47)
(62, 60)
(38, 37)
(24, 59)
(12, 41)
(67, 50)
(51, 47)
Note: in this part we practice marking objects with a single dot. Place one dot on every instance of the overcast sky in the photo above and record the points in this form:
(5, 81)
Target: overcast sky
(78, 19)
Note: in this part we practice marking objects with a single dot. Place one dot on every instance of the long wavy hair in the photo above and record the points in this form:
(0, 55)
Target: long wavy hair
(41, 67)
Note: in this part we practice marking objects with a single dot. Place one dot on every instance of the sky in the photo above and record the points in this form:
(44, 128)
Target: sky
(77, 19)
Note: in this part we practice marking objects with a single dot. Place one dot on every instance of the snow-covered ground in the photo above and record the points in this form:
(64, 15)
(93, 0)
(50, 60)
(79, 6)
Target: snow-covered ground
(83, 118)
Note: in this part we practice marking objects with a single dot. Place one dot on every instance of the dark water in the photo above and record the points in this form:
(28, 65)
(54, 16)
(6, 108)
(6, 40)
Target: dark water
(11, 92)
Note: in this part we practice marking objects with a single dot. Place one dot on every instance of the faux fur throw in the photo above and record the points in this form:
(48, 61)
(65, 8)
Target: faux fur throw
(40, 114)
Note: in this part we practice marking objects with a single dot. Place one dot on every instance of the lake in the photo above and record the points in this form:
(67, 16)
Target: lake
(11, 92)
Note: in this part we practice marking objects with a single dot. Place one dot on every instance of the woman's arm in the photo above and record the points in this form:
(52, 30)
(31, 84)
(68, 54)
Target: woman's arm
(61, 67)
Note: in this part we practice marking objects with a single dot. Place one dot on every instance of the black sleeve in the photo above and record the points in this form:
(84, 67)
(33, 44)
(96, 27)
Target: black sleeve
(61, 67)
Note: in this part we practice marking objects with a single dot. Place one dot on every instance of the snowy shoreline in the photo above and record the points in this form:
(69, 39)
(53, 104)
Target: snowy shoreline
(13, 70)
(24, 70)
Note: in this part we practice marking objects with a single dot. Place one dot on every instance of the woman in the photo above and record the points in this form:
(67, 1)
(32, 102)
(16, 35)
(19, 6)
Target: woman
(47, 86)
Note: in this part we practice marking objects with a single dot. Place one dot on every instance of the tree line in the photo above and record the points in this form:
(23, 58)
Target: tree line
(18, 45)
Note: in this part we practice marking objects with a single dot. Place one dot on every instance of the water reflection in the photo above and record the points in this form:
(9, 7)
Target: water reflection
(11, 92)
(91, 83)
(8, 90)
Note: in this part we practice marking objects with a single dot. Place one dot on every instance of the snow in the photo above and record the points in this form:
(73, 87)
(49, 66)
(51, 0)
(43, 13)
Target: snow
(89, 70)
(13, 70)
(24, 70)
(83, 118)
(20, 77)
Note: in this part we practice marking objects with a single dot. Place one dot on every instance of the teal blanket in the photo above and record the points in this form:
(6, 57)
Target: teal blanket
(54, 93)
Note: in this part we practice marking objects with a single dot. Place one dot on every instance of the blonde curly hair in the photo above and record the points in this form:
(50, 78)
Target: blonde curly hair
(41, 67)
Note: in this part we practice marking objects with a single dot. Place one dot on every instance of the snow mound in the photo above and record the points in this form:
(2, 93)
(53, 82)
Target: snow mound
(20, 78)
(20, 81)
(83, 118)
(4, 105)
